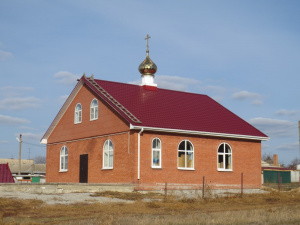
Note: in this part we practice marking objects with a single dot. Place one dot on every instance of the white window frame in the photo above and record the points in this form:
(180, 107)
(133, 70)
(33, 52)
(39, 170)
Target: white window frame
(78, 114)
(156, 150)
(224, 154)
(185, 153)
(94, 110)
(108, 151)
(63, 162)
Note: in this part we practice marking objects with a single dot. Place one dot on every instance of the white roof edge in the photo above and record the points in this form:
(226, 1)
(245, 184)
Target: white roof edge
(132, 127)
(44, 141)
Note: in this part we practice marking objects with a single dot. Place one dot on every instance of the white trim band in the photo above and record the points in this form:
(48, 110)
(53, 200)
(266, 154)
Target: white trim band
(132, 127)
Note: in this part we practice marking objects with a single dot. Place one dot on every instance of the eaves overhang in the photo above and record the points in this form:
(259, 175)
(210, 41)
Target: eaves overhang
(203, 133)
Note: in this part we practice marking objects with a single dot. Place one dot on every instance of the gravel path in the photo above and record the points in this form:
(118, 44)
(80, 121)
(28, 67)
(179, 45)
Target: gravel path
(67, 198)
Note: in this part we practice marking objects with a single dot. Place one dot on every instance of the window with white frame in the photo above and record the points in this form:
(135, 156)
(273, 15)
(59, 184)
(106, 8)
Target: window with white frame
(185, 155)
(78, 113)
(156, 153)
(224, 157)
(108, 155)
(64, 159)
(94, 110)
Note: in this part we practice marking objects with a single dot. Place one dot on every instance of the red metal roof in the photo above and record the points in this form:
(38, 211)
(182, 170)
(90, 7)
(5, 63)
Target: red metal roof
(171, 109)
(5, 174)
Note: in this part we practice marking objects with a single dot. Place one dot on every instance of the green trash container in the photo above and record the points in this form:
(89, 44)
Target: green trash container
(35, 180)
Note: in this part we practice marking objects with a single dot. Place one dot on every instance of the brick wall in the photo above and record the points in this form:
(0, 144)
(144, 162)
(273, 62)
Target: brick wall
(122, 171)
(88, 137)
(246, 159)
(106, 123)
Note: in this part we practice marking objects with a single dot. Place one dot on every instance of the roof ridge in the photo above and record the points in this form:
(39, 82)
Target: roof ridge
(163, 89)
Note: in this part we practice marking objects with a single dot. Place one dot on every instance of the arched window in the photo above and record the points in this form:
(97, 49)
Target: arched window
(78, 113)
(64, 159)
(108, 155)
(185, 155)
(156, 153)
(224, 157)
(94, 110)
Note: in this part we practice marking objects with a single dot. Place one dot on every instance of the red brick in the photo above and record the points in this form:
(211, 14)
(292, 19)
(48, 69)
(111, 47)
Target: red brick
(88, 137)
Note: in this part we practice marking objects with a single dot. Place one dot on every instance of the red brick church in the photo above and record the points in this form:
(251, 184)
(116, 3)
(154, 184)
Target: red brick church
(117, 133)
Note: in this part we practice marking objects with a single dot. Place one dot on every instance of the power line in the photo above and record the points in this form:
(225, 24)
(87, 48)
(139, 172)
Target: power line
(41, 146)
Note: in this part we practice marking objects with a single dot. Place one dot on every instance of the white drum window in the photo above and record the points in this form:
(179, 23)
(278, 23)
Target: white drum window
(156, 153)
(185, 155)
(224, 157)
(78, 113)
(108, 155)
(94, 110)
(64, 159)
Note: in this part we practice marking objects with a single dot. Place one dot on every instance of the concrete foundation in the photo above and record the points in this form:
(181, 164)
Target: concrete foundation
(59, 188)
(56, 188)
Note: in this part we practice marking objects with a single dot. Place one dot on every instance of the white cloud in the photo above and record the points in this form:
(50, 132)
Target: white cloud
(3, 142)
(32, 136)
(257, 102)
(65, 77)
(10, 91)
(175, 82)
(288, 147)
(244, 95)
(8, 120)
(285, 112)
(274, 127)
(16, 103)
(11, 88)
(5, 55)
(172, 82)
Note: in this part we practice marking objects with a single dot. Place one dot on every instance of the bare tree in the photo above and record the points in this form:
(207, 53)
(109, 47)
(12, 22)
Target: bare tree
(40, 159)
(267, 157)
(294, 163)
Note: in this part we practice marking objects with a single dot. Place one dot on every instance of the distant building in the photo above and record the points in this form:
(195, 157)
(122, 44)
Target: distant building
(28, 168)
(274, 172)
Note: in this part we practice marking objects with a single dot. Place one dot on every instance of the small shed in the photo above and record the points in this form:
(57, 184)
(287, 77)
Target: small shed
(5, 174)
(276, 175)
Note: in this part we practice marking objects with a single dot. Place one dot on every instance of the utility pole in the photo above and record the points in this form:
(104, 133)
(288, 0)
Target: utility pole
(299, 133)
(20, 147)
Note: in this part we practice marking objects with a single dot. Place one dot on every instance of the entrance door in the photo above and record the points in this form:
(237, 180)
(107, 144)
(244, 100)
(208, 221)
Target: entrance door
(83, 170)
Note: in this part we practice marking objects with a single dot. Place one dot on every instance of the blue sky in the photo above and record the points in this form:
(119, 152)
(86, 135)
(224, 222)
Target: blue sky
(244, 54)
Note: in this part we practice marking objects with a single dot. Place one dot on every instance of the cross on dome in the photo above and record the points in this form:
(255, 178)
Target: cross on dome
(148, 68)
(147, 38)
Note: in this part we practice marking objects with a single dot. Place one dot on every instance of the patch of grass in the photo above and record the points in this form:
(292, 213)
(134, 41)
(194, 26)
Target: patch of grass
(270, 208)
(135, 196)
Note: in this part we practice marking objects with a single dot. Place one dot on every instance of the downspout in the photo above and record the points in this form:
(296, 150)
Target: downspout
(139, 153)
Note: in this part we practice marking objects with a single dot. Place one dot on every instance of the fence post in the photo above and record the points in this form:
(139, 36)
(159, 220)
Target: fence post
(166, 191)
(242, 183)
(203, 187)
(278, 181)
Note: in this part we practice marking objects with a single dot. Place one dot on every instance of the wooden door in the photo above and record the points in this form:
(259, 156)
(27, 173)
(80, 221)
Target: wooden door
(83, 170)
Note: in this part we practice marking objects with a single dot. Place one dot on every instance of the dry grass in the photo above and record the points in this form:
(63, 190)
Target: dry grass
(271, 208)
(129, 196)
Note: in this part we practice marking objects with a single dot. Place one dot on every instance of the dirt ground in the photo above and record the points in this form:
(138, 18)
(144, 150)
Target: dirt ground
(64, 198)
(115, 208)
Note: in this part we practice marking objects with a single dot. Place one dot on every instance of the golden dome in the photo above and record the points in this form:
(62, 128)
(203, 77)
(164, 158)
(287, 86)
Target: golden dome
(147, 67)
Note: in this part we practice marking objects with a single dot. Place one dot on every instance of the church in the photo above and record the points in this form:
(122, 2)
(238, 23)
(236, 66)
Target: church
(116, 133)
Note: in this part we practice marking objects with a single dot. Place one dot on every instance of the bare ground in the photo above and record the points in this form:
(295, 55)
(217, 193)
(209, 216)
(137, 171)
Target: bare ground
(113, 208)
